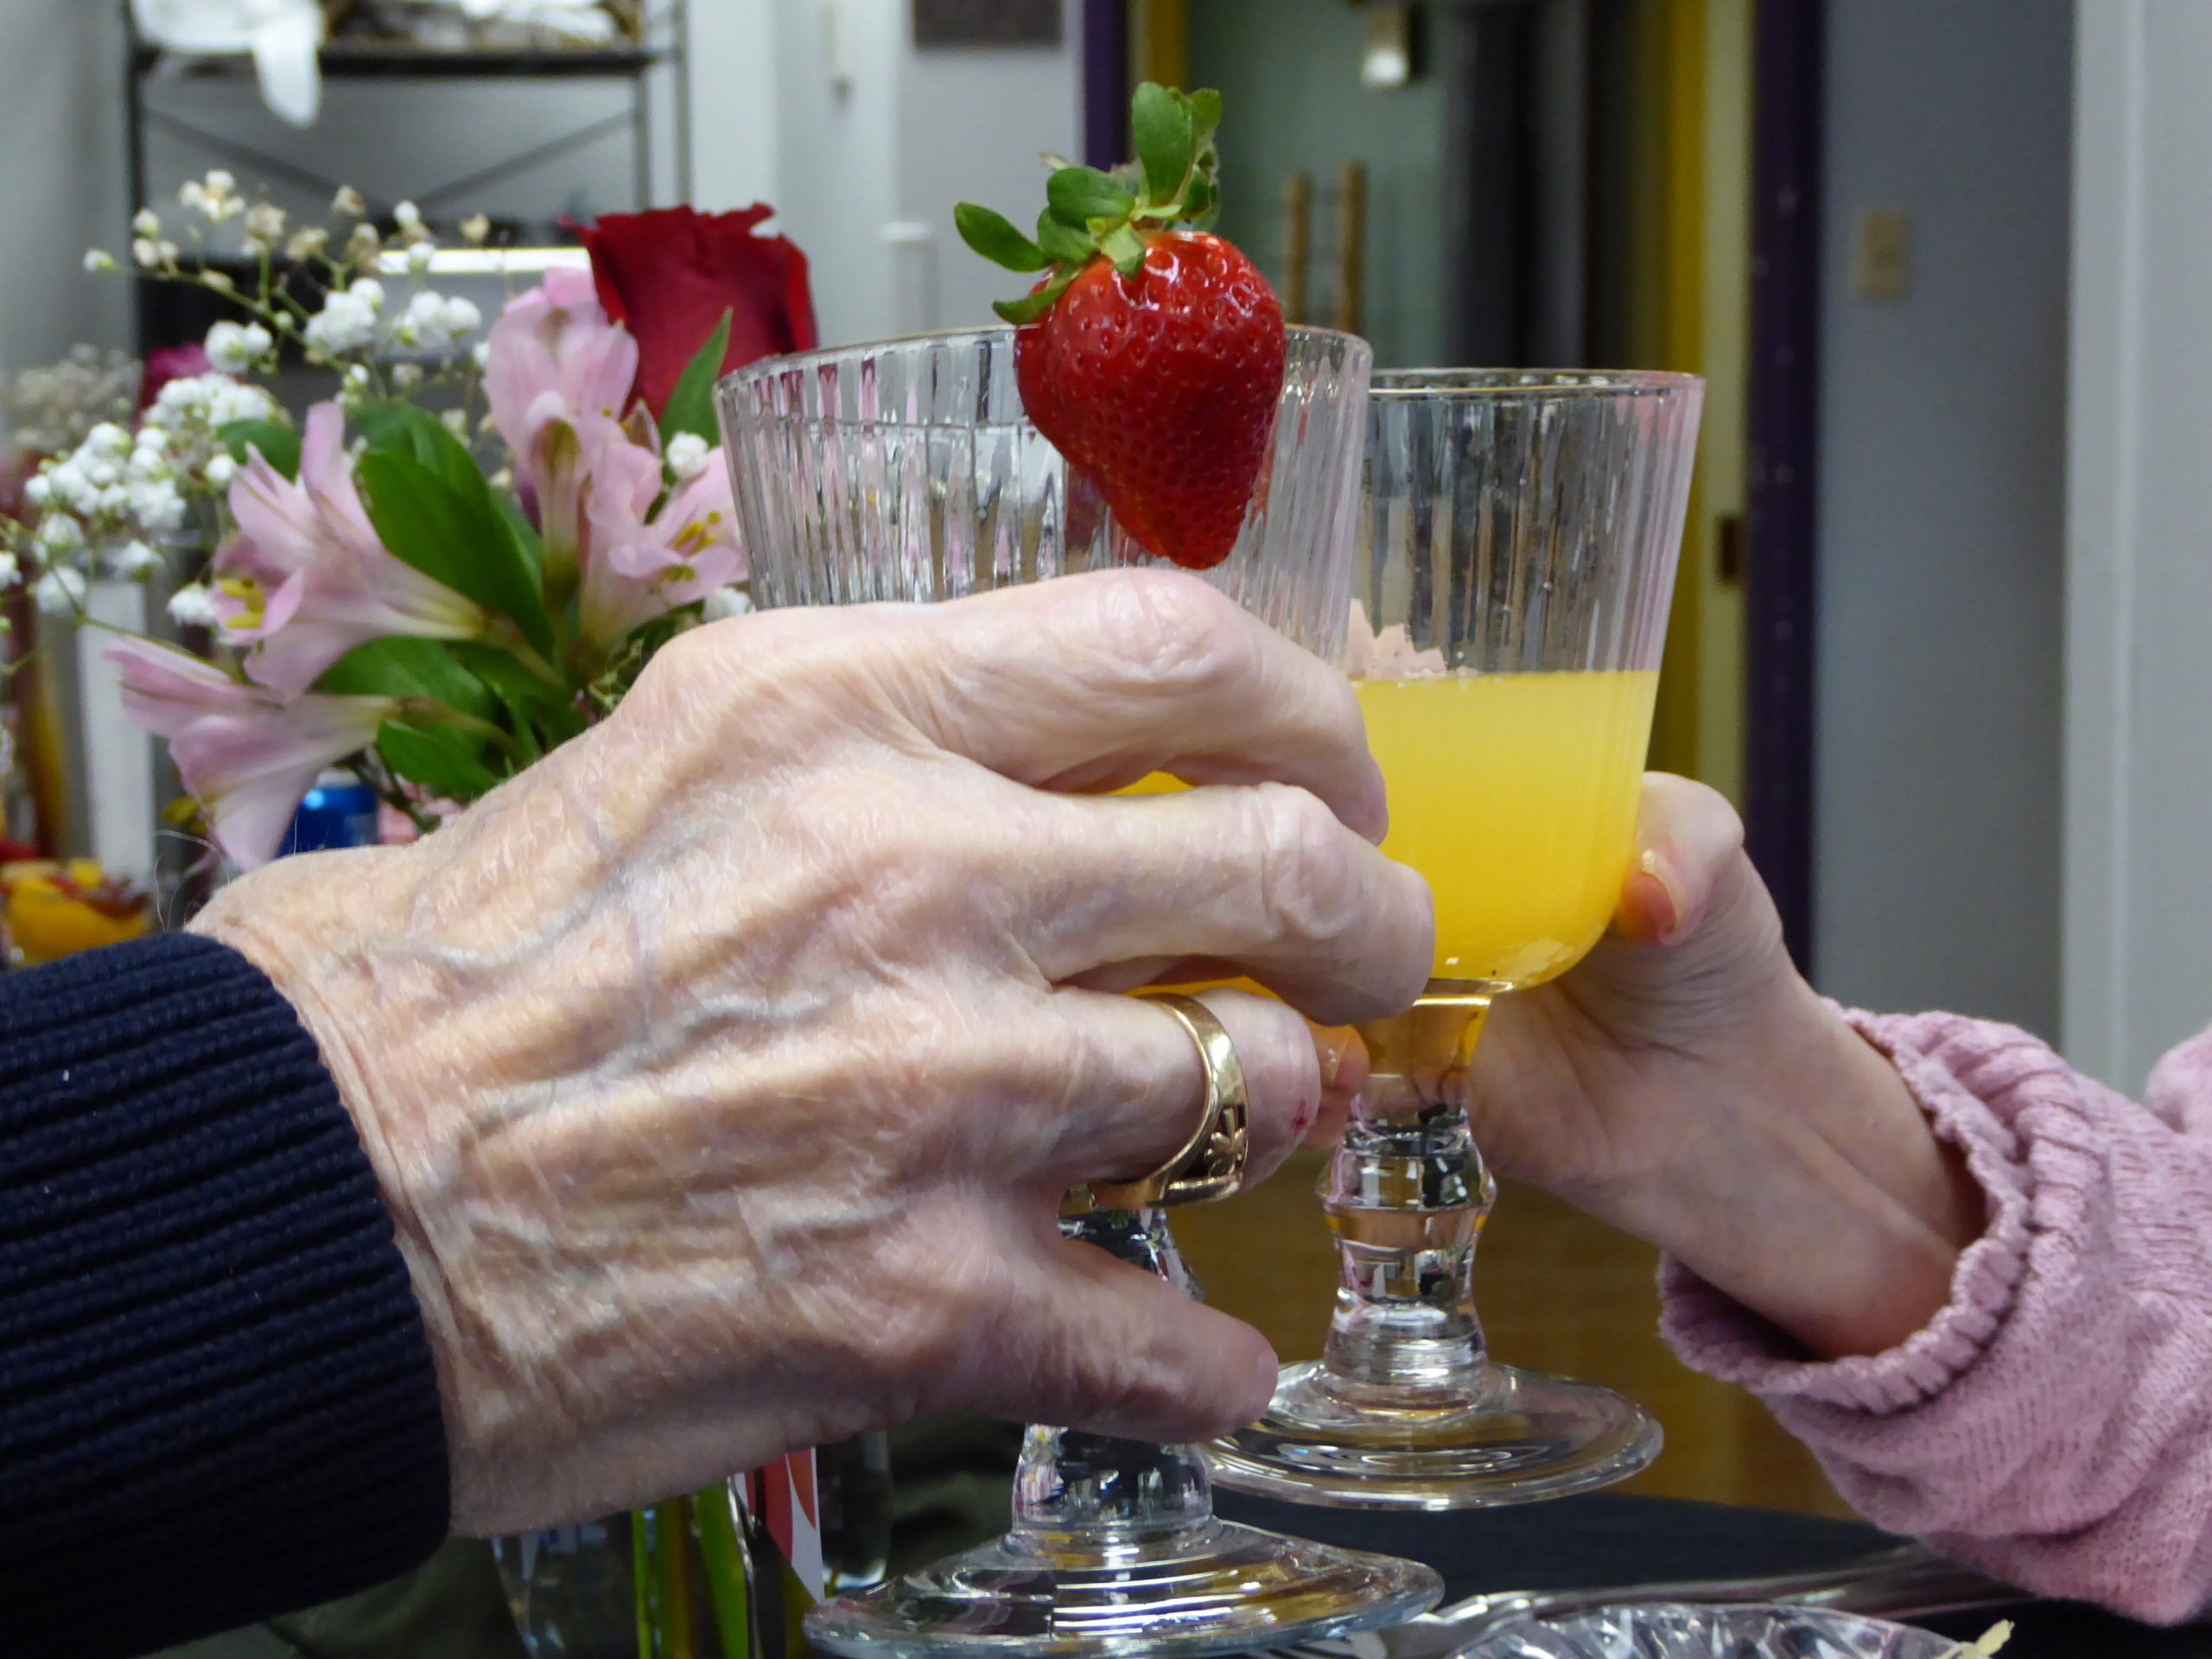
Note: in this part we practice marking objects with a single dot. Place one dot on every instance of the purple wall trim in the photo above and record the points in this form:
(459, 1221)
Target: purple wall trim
(1780, 563)
(1105, 82)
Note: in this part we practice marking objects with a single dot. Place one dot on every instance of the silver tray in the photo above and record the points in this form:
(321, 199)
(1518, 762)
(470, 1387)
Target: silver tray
(1682, 1631)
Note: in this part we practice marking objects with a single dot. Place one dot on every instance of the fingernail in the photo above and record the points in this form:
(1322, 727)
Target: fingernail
(1668, 915)
(1330, 1045)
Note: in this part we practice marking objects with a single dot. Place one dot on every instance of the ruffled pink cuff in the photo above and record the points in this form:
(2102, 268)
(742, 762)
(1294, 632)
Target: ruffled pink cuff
(1950, 1078)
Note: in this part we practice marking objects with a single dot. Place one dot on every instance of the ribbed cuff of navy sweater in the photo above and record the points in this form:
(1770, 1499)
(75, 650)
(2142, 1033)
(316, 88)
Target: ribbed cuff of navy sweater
(216, 1399)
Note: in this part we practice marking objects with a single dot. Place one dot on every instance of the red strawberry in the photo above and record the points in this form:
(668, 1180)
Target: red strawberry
(1163, 387)
(1151, 357)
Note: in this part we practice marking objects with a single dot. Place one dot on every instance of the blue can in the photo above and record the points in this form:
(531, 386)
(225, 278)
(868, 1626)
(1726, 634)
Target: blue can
(339, 811)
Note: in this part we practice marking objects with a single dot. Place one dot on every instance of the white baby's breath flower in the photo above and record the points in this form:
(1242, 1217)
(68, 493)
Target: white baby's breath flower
(348, 201)
(97, 260)
(363, 245)
(407, 216)
(480, 354)
(148, 224)
(220, 183)
(456, 421)
(145, 254)
(502, 481)
(405, 377)
(264, 219)
(39, 491)
(368, 291)
(461, 317)
(476, 230)
(10, 572)
(59, 534)
(419, 255)
(60, 591)
(194, 194)
(726, 603)
(134, 561)
(192, 607)
(221, 470)
(308, 243)
(687, 455)
(347, 322)
(236, 348)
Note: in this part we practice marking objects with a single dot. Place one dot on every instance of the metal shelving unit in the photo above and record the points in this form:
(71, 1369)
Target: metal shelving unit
(664, 47)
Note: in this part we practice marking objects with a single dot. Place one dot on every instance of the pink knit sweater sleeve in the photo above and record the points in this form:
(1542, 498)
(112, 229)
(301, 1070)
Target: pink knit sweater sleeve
(2053, 1424)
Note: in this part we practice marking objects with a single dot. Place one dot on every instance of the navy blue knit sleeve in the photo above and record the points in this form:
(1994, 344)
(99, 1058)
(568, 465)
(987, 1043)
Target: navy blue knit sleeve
(216, 1399)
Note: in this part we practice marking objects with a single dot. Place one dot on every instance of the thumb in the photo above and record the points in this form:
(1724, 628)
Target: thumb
(1687, 837)
(1097, 1345)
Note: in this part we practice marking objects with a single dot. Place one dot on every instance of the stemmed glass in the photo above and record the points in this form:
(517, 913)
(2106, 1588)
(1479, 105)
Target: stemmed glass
(1510, 598)
(908, 471)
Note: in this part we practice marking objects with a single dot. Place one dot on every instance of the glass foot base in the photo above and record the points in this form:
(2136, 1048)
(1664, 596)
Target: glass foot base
(1518, 1437)
(1214, 1588)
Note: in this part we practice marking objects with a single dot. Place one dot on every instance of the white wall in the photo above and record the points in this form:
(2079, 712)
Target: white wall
(875, 143)
(2138, 717)
(62, 190)
(1937, 850)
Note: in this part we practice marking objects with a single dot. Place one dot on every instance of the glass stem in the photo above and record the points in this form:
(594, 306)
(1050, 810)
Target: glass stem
(1094, 1492)
(1407, 1194)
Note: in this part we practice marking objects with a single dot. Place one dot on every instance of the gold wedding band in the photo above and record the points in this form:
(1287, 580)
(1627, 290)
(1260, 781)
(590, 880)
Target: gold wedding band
(1212, 1163)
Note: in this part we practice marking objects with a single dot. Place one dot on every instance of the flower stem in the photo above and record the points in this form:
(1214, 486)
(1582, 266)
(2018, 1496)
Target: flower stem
(729, 1588)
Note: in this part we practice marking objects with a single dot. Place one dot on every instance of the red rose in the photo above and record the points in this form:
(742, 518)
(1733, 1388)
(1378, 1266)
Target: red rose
(171, 363)
(670, 275)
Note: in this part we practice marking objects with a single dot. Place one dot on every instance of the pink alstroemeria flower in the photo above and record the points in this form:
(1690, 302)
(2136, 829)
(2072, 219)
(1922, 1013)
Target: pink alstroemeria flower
(637, 569)
(306, 580)
(558, 376)
(247, 756)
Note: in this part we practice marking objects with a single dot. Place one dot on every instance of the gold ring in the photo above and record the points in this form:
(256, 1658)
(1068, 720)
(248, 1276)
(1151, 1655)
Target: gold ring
(1212, 1163)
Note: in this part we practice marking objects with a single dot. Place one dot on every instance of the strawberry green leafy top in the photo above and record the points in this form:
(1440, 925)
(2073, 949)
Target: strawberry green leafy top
(1088, 212)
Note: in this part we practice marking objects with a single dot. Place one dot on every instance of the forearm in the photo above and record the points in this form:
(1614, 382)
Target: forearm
(2052, 1422)
(1818, 1197)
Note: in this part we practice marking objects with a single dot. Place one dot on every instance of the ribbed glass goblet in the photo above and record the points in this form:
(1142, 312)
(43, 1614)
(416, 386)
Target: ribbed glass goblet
(908, 471)
(1510, 594)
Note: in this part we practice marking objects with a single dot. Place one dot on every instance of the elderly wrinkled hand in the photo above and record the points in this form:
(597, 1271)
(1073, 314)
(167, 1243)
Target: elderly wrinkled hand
(724, 1072)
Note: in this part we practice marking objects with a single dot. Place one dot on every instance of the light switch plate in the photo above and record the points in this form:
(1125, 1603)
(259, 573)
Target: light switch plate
(1882, 254)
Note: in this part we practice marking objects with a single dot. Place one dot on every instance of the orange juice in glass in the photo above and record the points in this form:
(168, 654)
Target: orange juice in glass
(1510, 602)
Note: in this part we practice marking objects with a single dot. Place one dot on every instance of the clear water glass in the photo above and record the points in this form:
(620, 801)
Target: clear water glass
(1515, 562)
(908, 471)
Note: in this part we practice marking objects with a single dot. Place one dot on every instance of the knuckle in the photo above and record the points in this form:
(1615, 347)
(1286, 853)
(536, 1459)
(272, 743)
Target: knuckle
(1176, 631)
(1308, 887)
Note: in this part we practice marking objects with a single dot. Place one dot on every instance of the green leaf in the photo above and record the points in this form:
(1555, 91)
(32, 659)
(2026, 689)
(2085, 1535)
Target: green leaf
(441, 760)
(278, 443)
(994, 237)
(1126, 249)
(1206, 117)
(399, 666)
(1202, 207)
(691, 405)
(1029, 307)
(1079, 195)
(532, 544)
(400, 429)
(1064, 243)
(1160, 121)
(449, 527)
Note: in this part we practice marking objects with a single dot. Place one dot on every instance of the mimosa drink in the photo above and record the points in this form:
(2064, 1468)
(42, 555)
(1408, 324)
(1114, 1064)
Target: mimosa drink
(1509, 614)
(1516, 796)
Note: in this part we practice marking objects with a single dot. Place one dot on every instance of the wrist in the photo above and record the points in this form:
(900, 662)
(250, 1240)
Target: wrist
(297, 920)
(1821, 1199)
